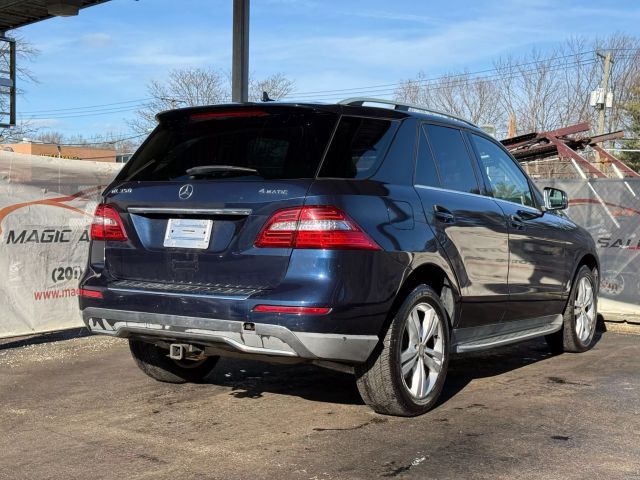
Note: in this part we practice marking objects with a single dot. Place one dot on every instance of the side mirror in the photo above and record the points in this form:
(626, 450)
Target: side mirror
(555, 199)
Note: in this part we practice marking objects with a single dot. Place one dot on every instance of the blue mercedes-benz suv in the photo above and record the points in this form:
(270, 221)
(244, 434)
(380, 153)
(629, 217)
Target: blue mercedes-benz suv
(362, 238)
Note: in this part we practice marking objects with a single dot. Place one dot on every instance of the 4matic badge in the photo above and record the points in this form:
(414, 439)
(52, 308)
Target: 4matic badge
(273, 191)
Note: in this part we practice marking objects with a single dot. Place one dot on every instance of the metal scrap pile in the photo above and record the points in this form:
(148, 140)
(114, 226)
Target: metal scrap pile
(568, 145)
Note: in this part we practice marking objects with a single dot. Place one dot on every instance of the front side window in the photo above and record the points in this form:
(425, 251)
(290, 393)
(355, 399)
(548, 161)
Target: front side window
(452, 158)
(506, 179)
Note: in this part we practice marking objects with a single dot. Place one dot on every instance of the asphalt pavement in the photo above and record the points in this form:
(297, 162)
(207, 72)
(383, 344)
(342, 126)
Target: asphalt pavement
(78, 408)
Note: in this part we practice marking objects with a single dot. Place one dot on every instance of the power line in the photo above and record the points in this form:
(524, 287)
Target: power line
(99, 142)
(87, 107)
(464, 74)
(382, 89)
(142, 100)
(435, 85)
(458, 78)
(87, 114)
(343, 90)
(112, 142)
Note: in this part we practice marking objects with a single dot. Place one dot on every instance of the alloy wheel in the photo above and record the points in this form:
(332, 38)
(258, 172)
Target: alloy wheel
(422, 351)
(584, 310)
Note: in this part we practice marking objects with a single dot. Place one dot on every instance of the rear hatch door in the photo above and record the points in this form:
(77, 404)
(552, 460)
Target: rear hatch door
(195, 196)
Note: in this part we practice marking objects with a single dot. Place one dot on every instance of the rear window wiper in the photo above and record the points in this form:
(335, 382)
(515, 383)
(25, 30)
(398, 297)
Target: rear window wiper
(215, 169)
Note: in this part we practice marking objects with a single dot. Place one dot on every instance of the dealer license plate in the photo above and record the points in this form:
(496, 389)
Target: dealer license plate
(188, 233)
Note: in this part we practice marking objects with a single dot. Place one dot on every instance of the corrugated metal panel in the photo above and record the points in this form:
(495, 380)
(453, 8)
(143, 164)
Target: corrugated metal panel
(17, 13)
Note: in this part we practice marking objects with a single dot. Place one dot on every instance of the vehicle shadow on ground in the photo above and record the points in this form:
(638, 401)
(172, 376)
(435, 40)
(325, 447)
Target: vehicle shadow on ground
(251, 379)
(40, 338)
(463, 369)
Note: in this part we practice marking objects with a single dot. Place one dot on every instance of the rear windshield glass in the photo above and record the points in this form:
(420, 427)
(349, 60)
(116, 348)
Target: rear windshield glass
(358, 147)
(282, 145)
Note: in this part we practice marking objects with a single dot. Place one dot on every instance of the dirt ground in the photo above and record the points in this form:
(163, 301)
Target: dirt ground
(78, 408)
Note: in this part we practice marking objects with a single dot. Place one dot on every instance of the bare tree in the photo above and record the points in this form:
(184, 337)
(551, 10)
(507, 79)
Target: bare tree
(625, 73)
(460, 94)
(110, 140)
(195, 86)
(50, 136)
(277, 86)
(25, 53)
(542, 91)
(183, 88)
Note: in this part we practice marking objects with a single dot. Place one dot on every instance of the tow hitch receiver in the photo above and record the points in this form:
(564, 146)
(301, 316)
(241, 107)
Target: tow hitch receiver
(176, 351)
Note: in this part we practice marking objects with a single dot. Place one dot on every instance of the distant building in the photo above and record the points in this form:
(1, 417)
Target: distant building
(62, 151)
(123, 157)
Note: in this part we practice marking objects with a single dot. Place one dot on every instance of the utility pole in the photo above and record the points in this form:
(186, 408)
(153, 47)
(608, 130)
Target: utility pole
(240, 60)
(606, 72)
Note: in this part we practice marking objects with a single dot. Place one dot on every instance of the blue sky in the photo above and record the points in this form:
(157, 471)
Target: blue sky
(109, 53)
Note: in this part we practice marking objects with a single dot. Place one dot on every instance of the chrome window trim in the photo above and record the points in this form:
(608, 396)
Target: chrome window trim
(525, 207)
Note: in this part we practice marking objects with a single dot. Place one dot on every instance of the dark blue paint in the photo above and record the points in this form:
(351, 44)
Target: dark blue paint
(496, 274)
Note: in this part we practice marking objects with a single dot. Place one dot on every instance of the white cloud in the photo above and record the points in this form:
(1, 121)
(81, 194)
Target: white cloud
(153, 56)
(97, 40)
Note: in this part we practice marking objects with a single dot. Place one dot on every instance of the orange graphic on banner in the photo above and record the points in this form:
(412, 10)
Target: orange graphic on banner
(52, 202)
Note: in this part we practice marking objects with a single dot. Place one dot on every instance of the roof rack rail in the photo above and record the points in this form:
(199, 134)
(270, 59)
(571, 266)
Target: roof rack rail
(359, 101)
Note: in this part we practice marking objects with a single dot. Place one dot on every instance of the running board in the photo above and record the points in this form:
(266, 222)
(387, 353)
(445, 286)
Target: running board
(491, 336)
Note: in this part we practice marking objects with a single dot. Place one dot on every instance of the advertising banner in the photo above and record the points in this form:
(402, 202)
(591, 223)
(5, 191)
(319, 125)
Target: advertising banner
(46, 206)
(610, 210)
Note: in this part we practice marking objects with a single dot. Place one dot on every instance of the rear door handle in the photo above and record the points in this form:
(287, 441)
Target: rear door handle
(516, 222)
(443, 214)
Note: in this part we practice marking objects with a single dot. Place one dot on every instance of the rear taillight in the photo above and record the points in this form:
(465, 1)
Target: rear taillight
(107, 225)
(322, 227)
(83, 292)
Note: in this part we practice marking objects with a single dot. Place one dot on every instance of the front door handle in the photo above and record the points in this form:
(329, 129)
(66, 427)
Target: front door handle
(442, 214)
(516, 222)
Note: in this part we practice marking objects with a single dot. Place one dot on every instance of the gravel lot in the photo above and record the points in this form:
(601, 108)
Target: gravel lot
(79, 408)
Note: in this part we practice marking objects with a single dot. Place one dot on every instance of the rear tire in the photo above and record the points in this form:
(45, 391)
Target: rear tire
(405, 374)
(155, 362)
(580, 315)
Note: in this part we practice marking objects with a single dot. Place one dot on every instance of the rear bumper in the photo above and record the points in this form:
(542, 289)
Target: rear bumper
(266, 339)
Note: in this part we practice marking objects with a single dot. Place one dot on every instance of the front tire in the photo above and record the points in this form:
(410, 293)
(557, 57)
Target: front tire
(405, 375)
(155, 362)
(580, 315)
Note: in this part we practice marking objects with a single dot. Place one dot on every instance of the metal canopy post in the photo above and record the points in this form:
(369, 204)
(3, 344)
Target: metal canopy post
(7, 82)
(240, 61)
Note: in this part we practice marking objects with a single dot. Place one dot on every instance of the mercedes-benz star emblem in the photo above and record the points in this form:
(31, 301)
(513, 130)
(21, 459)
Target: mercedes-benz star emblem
(185, 191)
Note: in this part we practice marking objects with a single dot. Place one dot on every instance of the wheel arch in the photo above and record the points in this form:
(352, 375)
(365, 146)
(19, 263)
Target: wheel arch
(435, 277)
(591, 261)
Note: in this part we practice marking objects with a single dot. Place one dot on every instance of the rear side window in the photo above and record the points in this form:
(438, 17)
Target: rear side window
(358, 147)
(281, 145)
(452, 158)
